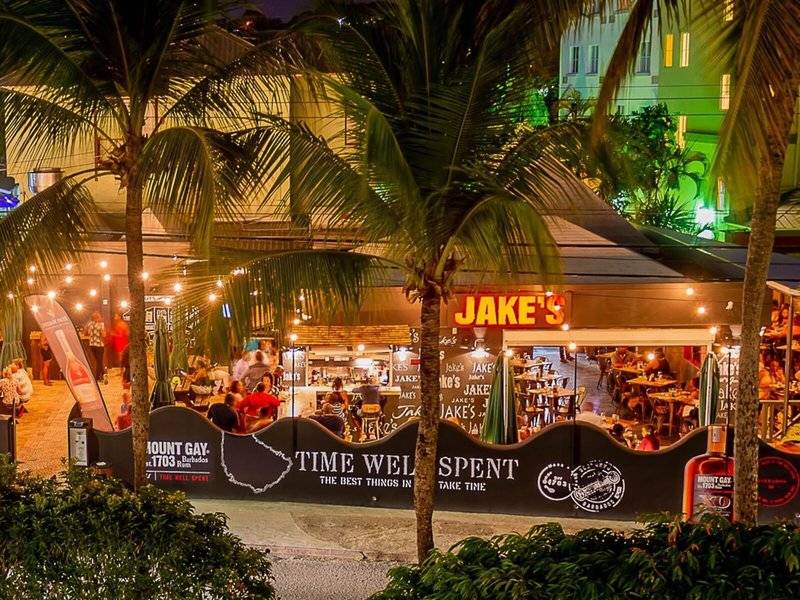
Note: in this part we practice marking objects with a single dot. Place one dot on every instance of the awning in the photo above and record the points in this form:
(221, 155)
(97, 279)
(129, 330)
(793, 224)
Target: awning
(689, 336)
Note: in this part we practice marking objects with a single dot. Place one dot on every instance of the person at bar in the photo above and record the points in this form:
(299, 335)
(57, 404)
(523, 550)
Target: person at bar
(329, 420)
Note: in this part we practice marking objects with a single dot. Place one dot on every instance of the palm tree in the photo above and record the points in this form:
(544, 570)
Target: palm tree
(761, 47)
(435, 178)
(75, 70)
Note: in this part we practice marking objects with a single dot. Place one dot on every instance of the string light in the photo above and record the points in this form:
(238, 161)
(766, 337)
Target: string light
(220, 284)
(651, 356)
(565, 327)
(145, 275)
(212, 297)
(301, 298)
(51, 295)
(30, 280)
(10, 295)
(123, 304)
(690, 291)
(701, 310)
(78, 306)
(296, 321)
(178, 286)
(68, 267)
(93, 292)
(32, 268)
(713, 330)
(106, 277)
(35, 308)
(103, 264)
(361, 347)
(293, 338)
(572, 347)
(68, 279)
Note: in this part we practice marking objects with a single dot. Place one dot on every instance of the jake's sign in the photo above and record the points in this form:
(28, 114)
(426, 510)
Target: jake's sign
(517, 310)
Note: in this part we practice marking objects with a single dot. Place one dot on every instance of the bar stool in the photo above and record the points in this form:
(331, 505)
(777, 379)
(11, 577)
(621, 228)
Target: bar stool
(371, 420)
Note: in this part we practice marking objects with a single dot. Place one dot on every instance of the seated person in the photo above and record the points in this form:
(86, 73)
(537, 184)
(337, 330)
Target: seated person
(264, 419)
(765, 382)
(338, 398)
(659, 364)
(223, 414)
(650, 441)
(253, 403)
(255, 371)
(200, 383)
(618, 433)
(621, 357)
(269, 384)
(330, 421)
(24, 383)
(588, 415)
(776, 371)
(124, 419)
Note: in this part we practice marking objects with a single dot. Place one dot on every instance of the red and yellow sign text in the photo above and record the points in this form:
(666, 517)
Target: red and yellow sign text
(522, 310)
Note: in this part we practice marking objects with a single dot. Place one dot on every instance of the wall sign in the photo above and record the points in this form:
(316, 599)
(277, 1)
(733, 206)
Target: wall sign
(565, 470)
(522, 310)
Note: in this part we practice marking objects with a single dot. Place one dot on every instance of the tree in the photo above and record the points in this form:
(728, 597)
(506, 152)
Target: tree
(437, 178)
(760, 45)
(78, 69)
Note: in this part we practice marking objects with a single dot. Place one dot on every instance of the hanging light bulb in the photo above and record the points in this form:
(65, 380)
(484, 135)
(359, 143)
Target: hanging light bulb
(212, 297)
(220, 284)
(106, 277)
(565, 327)
(10, 295)
(68, 279)
(713, 330)
(690, 291)
(178, 286)
(30, 280)
(361, 347)
(35, 308)
(701, 310)
(293, 337)
(103, 264)
(572, 346)
(32, 268)
(78, 306)
(296, 321)
(123, 304)
(145, 275)
(93, 292)
(51, 295)
(68, 267)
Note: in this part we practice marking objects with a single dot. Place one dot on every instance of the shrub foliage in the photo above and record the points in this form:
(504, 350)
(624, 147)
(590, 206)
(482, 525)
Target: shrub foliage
(76, 536)
(671, 560)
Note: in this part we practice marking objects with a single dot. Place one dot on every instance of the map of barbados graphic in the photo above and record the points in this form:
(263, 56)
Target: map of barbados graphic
(250, 463)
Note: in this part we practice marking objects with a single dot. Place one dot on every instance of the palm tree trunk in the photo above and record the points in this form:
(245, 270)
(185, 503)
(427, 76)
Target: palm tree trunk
(140, 404)
(759, 253)
(428, 432)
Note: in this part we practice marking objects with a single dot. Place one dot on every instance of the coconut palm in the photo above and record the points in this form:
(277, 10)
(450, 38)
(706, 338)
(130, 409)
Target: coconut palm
(434, 178)
(760, 47)
(74, 70)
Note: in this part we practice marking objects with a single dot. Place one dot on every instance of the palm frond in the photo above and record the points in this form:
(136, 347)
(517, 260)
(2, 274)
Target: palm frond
(47, 229)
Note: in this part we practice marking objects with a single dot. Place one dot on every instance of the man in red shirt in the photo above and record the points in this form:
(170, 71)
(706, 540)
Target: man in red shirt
(253, 403)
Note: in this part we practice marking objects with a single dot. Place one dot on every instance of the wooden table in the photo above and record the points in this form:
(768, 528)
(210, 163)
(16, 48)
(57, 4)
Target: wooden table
(553, 395)
(655, 383)
(630, 369)
(672, 400)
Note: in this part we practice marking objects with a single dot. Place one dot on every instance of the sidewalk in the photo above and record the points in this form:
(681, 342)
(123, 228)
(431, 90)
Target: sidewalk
(358, 533)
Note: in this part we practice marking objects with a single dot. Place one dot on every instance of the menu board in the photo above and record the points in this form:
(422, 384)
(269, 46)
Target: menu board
(295, 371)
(465, 380)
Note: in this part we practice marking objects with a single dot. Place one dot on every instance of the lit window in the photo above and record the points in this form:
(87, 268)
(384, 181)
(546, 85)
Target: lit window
(722, 193)
(727, 10)
(685, 49)
(669, 48)
(680, 133)
(574, 59)
(594, 59)
(643, 65)
(725, 92)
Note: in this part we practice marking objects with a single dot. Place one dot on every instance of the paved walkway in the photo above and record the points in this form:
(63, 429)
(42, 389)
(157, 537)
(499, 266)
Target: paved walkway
(351, 532)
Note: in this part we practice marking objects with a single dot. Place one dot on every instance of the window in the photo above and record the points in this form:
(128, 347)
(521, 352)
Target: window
(727, 10)
(643, 64)
(680, 133)
(574, 58)
(685, 49)
(669, 48)
(722, 193)
(594, 59)
(725, 92)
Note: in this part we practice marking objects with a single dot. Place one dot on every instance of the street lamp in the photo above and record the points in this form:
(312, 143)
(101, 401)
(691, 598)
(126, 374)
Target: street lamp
(573, 347)
(293, 339)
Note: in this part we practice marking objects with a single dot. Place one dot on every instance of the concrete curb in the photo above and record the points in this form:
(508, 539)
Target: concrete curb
(335, 554)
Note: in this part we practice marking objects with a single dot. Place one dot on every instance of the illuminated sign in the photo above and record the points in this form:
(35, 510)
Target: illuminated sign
(521, 310)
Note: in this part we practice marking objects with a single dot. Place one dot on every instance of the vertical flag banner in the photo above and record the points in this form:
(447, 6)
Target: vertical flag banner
(66, 345)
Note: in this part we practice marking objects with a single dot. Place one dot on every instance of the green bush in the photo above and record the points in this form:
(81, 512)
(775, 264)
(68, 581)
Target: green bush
(712, 560)
(78, 537)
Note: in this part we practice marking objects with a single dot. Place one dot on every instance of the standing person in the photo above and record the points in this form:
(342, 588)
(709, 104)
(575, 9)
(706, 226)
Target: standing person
(47, 357)
(119, 337)
(255, 371)
(96, 330)
(240, 366)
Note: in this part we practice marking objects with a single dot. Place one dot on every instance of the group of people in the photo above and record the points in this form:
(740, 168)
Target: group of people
(16, 387)
(772, 361)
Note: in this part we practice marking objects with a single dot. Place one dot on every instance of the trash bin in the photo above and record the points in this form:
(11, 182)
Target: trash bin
(81, 443)
(8, 438)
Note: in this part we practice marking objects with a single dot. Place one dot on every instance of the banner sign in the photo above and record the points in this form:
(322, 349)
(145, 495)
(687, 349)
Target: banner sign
(60, 332)
(541, 311)
(568, 469)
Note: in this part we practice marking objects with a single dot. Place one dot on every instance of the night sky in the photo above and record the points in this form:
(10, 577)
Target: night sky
(284, 9)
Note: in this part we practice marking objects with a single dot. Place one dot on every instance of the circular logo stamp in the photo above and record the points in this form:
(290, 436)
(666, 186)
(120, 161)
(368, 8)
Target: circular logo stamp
(555, 482)
(778, 481)
(597, 486)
